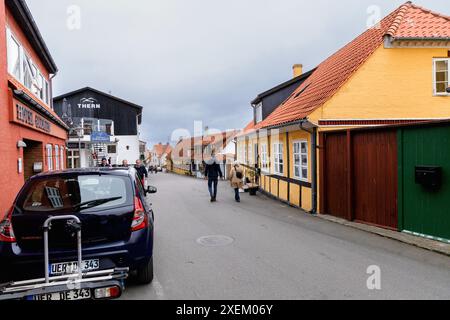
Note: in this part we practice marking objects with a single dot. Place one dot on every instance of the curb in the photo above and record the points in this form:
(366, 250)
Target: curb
(423, 243)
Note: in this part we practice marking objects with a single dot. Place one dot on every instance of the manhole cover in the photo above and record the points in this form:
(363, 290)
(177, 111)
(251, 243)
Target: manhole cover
(215, 241)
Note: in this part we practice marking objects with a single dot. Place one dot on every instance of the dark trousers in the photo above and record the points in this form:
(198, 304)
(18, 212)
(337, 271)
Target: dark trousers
(237, 196)
(212, 186)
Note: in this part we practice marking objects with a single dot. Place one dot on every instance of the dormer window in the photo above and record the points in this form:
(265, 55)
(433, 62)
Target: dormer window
(441, 72)
(258, 113)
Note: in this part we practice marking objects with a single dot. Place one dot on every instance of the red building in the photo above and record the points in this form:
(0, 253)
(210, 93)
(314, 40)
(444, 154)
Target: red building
(32, 136)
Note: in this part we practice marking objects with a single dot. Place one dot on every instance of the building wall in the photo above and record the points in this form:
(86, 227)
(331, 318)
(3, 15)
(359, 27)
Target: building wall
(11, 133)
(399, 83)
(133, 153)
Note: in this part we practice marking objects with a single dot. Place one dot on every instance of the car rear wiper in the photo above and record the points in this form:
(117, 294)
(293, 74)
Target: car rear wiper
(94, 203)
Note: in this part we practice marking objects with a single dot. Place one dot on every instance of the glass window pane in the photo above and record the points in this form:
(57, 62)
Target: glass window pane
(442, 65)
(304, 160)
(441, 76)
(305, 173)
(441, 87)
(304, 147)
(14, 58)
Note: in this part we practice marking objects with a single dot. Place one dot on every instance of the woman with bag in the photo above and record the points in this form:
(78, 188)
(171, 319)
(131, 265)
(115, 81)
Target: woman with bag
(237, 176)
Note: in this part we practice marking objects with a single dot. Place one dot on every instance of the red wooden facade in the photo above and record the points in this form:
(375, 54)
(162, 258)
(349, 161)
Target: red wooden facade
(359, 176)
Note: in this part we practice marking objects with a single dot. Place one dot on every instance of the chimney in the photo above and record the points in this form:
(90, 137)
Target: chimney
(298, 70)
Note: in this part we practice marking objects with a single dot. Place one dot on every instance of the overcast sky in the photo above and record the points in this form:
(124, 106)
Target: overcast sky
(204, 60)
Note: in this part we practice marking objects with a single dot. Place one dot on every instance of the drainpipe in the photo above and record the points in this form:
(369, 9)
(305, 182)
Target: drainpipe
(313, 133)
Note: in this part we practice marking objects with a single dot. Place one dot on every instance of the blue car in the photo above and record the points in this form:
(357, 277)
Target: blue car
(117, 225)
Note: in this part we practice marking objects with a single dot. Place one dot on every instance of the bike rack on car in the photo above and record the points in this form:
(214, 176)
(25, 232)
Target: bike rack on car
(49, 285)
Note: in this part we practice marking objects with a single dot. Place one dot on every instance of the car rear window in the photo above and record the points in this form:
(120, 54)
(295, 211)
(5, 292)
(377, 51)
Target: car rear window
(67, 193)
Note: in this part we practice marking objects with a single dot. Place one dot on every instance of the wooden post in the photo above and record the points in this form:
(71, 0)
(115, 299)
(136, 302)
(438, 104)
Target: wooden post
(350, 215)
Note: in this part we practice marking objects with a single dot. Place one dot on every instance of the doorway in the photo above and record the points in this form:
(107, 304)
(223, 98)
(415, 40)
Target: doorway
(32, 154)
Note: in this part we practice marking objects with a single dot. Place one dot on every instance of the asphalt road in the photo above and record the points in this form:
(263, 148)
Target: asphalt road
(277, 252)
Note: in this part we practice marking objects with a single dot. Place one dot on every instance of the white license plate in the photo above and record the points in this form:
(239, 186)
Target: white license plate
(58, 269)
(72, 295)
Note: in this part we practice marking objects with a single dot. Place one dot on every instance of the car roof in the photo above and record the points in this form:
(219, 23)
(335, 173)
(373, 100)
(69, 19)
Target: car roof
(119, 171)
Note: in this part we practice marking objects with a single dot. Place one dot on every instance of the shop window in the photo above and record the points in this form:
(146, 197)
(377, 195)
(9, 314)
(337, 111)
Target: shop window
(278, 158)
(62, 158)
(57, 158)
(301, 160)
(50, 157)
(441, 73)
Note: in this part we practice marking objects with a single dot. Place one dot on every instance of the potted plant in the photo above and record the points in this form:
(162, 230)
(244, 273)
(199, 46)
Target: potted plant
(253, 187)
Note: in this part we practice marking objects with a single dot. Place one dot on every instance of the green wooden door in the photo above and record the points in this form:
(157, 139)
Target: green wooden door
(421, 211)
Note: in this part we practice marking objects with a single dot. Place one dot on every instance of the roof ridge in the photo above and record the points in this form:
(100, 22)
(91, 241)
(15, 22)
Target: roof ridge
(430, 11)
(402, 10)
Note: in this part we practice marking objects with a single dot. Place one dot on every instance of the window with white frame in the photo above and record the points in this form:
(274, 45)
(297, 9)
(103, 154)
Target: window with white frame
(301, 160)
(278, 158)
(245, 154)
(61, 159)
(57, 157)
(258, 113)
(50, 157)
(21, 67)
(264, 158)
(441, 71)
(250, 153)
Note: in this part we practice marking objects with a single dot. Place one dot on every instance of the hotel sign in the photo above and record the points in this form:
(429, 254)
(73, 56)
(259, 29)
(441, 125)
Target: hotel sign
(29, 118)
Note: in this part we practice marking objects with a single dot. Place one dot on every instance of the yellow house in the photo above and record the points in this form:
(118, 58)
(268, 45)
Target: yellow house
(396, 72)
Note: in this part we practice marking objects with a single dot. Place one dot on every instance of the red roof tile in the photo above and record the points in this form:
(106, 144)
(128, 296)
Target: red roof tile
(335, 71)
(416, 22)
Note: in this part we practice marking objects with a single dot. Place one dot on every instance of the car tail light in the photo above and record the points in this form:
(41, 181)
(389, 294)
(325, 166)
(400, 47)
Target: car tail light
(107, 293)
(140, 219)
(6, 229)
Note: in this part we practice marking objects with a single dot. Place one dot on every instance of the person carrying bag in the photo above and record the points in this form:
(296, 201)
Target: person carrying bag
(237, 176)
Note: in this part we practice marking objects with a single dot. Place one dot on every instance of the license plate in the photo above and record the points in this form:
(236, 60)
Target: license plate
(72, 295)
(59, 269)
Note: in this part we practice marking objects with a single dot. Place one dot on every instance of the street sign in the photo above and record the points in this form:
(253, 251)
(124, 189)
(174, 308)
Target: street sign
(99, 136)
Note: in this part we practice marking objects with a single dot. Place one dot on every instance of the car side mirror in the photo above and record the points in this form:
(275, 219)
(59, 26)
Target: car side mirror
(151, 190)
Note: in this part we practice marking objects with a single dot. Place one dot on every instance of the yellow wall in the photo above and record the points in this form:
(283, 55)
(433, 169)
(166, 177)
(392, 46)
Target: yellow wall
(393, 83)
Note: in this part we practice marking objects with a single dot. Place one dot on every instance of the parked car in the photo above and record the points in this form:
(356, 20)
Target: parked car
(117, 224)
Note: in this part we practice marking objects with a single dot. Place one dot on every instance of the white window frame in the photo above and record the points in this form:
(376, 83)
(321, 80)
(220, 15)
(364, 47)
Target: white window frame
(264, 158)
(50, 157)
(300, 165)
(278, 159)
(245, 153)
(38, 81)
(57, 163)
(435, 61)
(258, 113)
(61, 159)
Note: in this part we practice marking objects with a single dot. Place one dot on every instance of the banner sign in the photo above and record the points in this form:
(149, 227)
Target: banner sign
(100, 137)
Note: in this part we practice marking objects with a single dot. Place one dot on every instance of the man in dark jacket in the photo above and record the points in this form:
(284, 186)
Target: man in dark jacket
(141, 171)
(213, 172)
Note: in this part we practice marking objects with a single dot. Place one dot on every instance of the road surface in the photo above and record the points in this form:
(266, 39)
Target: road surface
(267, 250)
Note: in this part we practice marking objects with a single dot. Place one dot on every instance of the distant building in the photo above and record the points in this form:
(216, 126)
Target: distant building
(158, 155)
(101, 126)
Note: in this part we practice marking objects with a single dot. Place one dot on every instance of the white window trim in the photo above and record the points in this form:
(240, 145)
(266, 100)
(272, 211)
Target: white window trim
(61, 158)
(265, 164)
(57, 161)
(258, 113)
(22, 54)
(435, 60)
(50, 157)
(277, 147)
(300, 155)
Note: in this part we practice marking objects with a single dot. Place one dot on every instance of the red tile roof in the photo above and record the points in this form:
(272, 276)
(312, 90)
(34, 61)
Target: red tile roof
(161, 149)
(416, 22)
(335, 71)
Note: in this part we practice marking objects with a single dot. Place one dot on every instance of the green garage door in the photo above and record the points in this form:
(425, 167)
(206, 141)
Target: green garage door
(421, 210)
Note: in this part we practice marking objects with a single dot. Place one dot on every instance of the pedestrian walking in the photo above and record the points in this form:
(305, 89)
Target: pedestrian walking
(212, 173)
(236, 177)
(141, 171)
